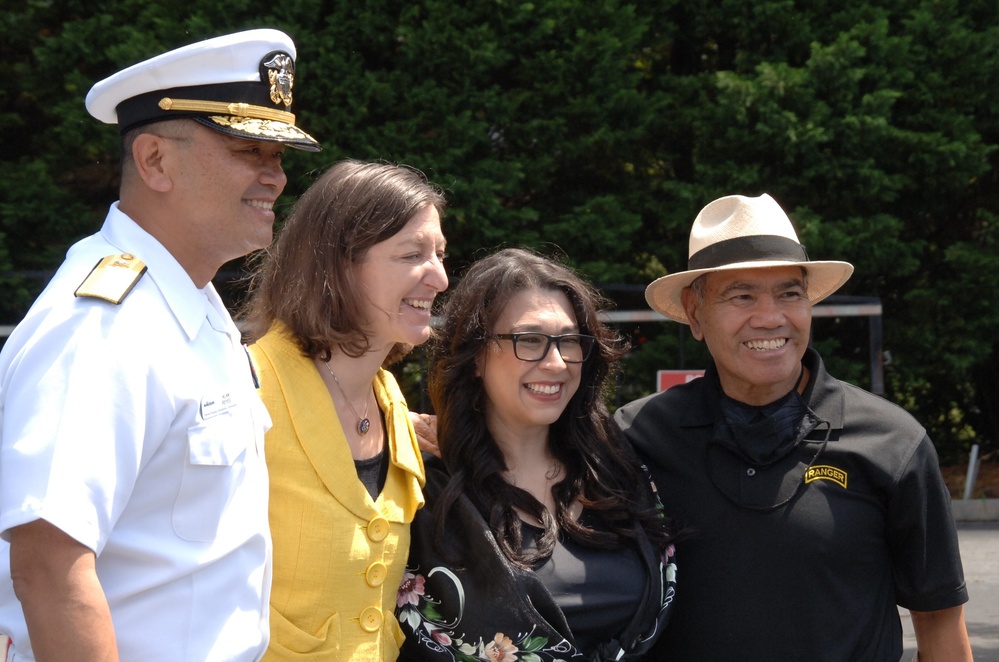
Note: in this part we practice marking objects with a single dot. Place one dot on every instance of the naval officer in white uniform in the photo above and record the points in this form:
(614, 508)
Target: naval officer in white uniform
(133, 490)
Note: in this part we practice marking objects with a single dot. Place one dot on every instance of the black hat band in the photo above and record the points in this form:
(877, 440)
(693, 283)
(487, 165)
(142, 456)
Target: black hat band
(755, 248)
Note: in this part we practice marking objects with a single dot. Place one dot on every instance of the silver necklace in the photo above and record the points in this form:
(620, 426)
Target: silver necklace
(363, 424)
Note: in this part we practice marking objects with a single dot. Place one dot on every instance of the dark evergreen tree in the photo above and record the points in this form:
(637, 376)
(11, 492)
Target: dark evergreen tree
(598, 129)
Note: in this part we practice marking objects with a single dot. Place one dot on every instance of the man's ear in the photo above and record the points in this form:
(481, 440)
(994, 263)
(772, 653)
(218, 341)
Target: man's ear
(689, 300)
(150, 155)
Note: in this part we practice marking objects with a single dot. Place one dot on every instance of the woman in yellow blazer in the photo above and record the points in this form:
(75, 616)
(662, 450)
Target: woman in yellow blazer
(346, 288)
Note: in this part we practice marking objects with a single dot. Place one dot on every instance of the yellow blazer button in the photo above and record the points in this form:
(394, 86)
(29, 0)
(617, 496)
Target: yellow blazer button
(378, 528)
(371, 619)
(376, 573)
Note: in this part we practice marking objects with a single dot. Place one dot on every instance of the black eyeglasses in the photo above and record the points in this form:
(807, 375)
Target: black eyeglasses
(572, 347)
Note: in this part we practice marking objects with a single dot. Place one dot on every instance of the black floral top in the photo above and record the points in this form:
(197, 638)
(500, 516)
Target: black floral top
(490, 609)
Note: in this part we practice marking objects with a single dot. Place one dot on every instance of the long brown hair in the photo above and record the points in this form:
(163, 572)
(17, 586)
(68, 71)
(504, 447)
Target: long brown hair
(307, 279)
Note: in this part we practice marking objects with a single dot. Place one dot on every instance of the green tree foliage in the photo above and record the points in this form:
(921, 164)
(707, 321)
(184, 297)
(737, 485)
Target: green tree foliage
(597, 129)
(528, 113)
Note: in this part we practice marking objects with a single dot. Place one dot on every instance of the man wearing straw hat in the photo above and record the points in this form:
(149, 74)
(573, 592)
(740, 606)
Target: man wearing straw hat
(816, 508)
(133, 490)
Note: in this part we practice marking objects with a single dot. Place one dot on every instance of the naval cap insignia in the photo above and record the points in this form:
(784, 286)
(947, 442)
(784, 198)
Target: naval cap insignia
(281, 76)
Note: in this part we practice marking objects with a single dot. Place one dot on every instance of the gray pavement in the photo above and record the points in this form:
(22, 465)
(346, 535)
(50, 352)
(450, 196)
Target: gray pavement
(980, 554)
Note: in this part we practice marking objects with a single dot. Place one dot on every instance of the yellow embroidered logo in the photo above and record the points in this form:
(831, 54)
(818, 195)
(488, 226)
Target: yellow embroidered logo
(823, 472)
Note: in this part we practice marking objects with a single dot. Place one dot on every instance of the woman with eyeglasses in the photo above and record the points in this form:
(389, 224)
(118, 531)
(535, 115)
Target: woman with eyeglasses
(542, 537)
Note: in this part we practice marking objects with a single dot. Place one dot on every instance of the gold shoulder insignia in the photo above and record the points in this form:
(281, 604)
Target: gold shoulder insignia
(113, 278)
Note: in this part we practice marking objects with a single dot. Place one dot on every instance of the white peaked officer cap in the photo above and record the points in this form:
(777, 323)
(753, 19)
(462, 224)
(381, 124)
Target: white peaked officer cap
(238, 84)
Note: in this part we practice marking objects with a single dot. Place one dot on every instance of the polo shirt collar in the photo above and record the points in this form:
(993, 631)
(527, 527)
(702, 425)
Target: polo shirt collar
(824, 396)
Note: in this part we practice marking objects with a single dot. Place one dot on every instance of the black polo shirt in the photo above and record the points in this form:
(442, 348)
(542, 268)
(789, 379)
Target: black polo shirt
(808, 557)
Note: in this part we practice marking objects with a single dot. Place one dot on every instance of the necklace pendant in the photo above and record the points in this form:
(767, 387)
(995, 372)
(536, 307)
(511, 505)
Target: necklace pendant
(363, 426)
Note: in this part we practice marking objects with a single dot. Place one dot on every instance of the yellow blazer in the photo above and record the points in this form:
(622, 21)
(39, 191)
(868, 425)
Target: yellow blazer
(338, 556)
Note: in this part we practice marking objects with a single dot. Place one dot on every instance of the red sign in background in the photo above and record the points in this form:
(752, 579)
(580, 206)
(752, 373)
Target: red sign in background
(667, 378)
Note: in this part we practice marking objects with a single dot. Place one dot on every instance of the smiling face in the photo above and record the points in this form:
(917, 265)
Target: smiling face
(237, 181)
(756, 324)
(400, 278)
(523, 398)
(206, 196)
(226, 188)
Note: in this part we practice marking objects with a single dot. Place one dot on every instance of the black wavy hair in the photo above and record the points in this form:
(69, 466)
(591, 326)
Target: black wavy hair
(600, 470)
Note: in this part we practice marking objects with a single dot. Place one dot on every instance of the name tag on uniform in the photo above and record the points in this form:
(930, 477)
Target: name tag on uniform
(212, 406)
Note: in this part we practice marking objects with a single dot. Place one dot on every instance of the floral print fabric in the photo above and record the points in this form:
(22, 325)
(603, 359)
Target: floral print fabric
(418, 611)
(483, 608)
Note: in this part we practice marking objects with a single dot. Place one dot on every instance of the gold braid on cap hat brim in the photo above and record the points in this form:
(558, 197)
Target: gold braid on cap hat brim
(221, 108)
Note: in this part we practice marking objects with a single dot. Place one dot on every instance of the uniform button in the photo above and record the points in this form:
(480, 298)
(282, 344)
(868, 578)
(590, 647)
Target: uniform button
(750, 472)
(371, 619)
(376, 573)
(378, 528)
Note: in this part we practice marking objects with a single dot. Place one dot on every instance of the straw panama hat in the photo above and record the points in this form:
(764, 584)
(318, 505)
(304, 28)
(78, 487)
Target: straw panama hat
(736, 232)
(238, 84)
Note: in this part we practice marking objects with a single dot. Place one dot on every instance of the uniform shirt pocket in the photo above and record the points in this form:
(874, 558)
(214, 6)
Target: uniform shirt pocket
(215, 449)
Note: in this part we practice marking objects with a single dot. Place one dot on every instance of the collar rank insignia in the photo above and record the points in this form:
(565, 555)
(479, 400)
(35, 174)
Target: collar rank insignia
(113, 278)
(281, 76)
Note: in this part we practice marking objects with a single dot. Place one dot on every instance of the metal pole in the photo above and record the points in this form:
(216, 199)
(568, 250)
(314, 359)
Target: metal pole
(877, 356)
(969, 483)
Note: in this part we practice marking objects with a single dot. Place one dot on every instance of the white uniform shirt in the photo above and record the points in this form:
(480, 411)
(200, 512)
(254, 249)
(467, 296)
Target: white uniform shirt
(135, 429)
